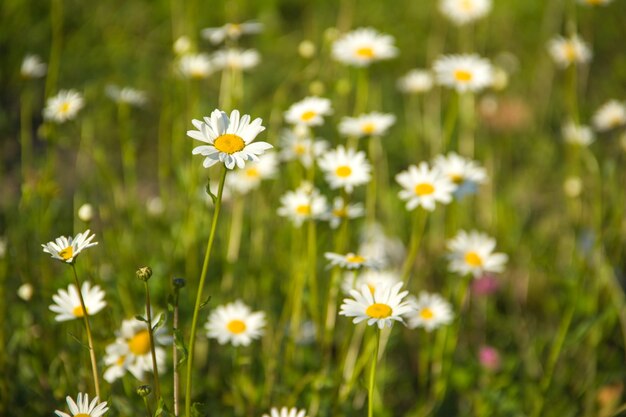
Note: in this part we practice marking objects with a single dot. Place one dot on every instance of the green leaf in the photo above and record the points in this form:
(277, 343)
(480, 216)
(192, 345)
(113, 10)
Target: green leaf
(199, 410)
(159, 323)
(141, 318)
(205, 302)
(162, 409)
(180, 346)
(170, 303)
(210, 193)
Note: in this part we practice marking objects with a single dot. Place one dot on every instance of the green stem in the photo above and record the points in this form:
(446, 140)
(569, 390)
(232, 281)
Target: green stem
(466, 141)
(129, 164)
(450, 121)
(362, 91)
(56, 21)
(372, 382)
(196, 309)
(419, 224)
(155, 369)
(312, 265)
(26, 136)
(175, 354)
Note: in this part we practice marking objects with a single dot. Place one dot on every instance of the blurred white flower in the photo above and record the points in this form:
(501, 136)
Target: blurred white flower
(345, 168)
(309, 111)
(182, 46)
(285, 412)
(154, 206)
(340, 211)
(424, 187)
(302, 204)
(363, 46)
(431, 311)
(85, 212)
(567, 51)
(244, 180)
(232, 31)
(610, 115)
(195, 66)
(33, 67)
(370, 277)
(382, 308)
(126, 95)
(83, 408)
(64, 106)
(473, 253)
(235, 323)
(463, 72)
(25, 291)
(234, 58)
(465, 173)
(369, 124)
(352, 261)
(416, 81)
(577, 134)
(67, 303)
(300, 147)
(461, 12)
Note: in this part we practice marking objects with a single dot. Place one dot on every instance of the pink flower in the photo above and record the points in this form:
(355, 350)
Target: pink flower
(489, 358)
(485, 285)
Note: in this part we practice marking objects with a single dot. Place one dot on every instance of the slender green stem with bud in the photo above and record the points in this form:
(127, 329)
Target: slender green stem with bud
(155, 368)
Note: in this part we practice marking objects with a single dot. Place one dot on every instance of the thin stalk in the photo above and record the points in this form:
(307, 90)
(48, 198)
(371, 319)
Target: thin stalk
(234, 242)
(155, 369)
(362, 91)
(56, 22)
(372, 382)
(26, 135)
(145, 402)
(92, 352)
(196, 309)
(450, 121)
(419, 224)
(312, 266)
(466, 140)
(129, 158)
(175, 354)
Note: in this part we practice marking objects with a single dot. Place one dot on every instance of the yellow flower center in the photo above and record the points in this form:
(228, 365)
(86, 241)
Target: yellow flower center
(456, 178)
(197, 73)
(365, 52)
(424, 189)
(308, 115)
(299, 149)
(67, 253)
(462, 75)
(229, 143)
(368, 128)
(303, 209)
(120, 360)
(473, 259)
(340, 212)
(467, 5)
(570, 52)
(426, 313)
(343, 171)
(78, 311)
(252, 172)
(355, 259)
(378, 311)
(236, 326)
(65, 107)
(81, 415)
(234, 29)
(139, 344)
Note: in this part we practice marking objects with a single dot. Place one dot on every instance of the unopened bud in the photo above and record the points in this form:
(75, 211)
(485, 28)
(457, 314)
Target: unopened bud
(144, 390)
(144, 273)
(179, 282)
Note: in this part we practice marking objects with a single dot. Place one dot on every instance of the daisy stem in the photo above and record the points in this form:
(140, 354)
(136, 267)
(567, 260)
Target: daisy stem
(155, 369)
(370, 395)
(466, 139)
(26, 134)
(196, 309)
(419, 225)
(312, 264)
(362, 91)
(175, 352)
(127, 147)
(450, 121)
(92, 352)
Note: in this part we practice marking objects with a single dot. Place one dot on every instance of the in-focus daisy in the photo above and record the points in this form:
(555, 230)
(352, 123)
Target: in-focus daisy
(341, 211)
(461, 12)
(416, 81)
(363, 46)
(381, 308)
(244, 180)
(64, 106)
(83, 408)
(234, 58)
(467, 72)
(473, 253)
(431, 312)
(67, 303)
(352, 261)
(610, 115)
(302, 204)
(235, 323)
(33, 67)
(196, 66)
(567, 51)
(285, 412)
(231, 31)
(229, 139)
(463, 172)
(370, 124)
(126, 95)
(577, 134)
(300, 147)
(370, 277)
(345, 168)
(309, 111)
(66, 249)
(424, 187)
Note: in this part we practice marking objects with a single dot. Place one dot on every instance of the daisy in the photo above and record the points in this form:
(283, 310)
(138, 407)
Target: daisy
(244, 180)
(64, 106)
(302, 204)
(229, 139)
(363, 46)
(461, 12)
(232, 31)
(473, 253)
(126, 95)
(431, 312)
(345, 168)
(196, 66)
(33, 67)
(234, 58)
(66, 249)
(424, 187)
(285, 412)
(370, 277)
(612, 114)
(416, 81)
(465, 173)
(235, 323)
(117, 362)
(309, 111)
(567, 51)
(182, 46)
(352, 261)
(342, 211)
(382, 308)
(463, 72)
(301, 147)
(371, 124)
(83, 408)
(67, 303)
(577, 134)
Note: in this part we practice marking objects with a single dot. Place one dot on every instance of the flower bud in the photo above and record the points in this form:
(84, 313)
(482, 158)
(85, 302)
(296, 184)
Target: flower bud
(144, 273)
(179, 282)
(144, 390)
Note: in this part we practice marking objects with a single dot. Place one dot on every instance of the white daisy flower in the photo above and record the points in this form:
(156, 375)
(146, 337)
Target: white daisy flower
(33, 67)
(234, 58)
(352, 261)
(231, 31)
(235, 323)
(363, 46)
(345, 168)
(64, 106)
(595, 2)
(473, 253)
(25, 291)
(424, 187)
(85, 212)
(416, 81)
(196, 66)
(300, 147)
(375, 243)
(381, 308)
(285, 412)
(577, 134)
(342, 211)
(229, 139)
(117, 362)
(309, 111)
(302, 204)
(126, 95)
(83, 408)
(370, 124)
(461, 12)
(567, 51)
(431, 311)
(247, 179)
(66, 249)
(463, 172)
(463, 72)
(370, 277)
(67, 303)
(182, 46)
(610, 115)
